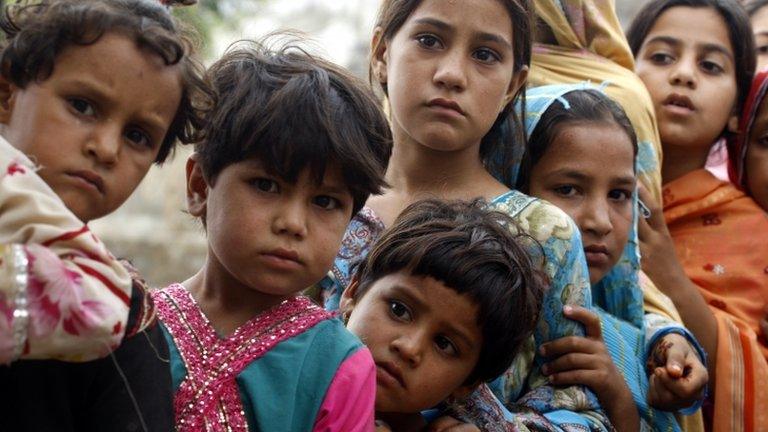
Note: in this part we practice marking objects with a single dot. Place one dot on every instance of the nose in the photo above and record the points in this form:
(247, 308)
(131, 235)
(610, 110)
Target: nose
(103, 145)
(408, 347)
(451, 71)
(595, 218)
(291, 217)
(684, 73)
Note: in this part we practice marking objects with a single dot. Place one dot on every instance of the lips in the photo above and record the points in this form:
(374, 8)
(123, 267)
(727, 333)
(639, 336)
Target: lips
(285, 259)
(89, 177)
(680, 102)
(388, 373)
(597, 255)
(446, 104)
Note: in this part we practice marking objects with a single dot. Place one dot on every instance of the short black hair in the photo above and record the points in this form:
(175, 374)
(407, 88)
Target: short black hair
(36, 33)
(292, 111)
(584, 105)
(739, 30)
(473, 251)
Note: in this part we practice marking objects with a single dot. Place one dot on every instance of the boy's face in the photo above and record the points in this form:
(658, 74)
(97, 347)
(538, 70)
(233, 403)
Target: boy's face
(423, 336)
(265, 235)
(95, 126)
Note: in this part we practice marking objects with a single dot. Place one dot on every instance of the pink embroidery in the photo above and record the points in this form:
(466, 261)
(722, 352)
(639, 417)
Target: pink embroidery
(208, 399)
(56, 293)
(16, 168)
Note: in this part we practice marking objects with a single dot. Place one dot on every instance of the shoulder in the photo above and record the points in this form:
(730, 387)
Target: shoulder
(538, 218)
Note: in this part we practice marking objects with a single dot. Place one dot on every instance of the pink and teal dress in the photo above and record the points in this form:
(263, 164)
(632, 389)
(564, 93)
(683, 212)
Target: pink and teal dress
(291, 368)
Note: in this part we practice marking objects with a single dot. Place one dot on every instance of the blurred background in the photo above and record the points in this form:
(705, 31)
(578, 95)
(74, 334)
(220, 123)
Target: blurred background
(152, 228)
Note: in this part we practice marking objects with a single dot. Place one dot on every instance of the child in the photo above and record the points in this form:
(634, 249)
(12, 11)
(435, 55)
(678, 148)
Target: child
(749, 150)
(293, 147)
(699, 78)
(581, 157)
(93, 93)
(444, 301)
(758, 17)
(451, 72)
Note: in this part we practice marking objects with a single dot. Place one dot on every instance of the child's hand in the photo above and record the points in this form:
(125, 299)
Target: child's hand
(585, 361)
(677, 377)
(450, 424)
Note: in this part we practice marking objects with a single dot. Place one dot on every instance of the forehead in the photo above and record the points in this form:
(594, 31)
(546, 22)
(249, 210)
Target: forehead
(759, 20)
(599, 149)
(710, 28)
(489, 16)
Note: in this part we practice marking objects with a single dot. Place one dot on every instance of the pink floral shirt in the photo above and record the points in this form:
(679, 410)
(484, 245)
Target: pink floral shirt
(62, 294)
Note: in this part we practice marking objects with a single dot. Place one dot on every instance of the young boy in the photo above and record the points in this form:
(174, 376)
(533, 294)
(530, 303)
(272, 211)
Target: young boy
(293, 148)
(444, 301)
(91, 94)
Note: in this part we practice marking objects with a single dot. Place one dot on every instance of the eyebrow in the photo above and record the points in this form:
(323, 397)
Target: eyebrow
(484, 36)
(707, 47)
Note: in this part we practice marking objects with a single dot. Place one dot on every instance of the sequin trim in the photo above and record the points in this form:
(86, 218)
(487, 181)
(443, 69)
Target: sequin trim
(208, 398)
(18, 297)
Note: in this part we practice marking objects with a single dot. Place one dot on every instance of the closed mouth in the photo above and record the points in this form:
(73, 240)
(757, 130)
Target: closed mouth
(446, 103)
(392, 370)
(284, 254)
(89, 177)
(596, 249)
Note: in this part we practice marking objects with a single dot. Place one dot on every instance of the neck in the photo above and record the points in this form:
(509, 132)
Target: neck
(417, 170)
(227, 302)
(679, 161)
(402, 422)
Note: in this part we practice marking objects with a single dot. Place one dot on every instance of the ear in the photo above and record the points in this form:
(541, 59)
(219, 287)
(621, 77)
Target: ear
(347, 303)
(197, 188)
(379, 56)
(518, 81)
(7, 99)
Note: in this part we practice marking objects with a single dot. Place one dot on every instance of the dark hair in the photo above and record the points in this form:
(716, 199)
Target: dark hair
(739, 30)
(36, 34)
(497, 146)
(755, 5)
(473, 251)
(294, 111)
(585, 106)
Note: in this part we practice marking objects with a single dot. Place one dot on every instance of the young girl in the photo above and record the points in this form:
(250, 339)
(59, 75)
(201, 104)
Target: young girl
(749, 149)
(451, 71)
(93, 93)
(758, 16)
(698, 78)
(444, 301)
(581, 157)
(293, 147)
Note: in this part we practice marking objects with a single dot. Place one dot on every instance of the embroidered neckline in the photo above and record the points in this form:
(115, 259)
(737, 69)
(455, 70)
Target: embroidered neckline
(208, 398)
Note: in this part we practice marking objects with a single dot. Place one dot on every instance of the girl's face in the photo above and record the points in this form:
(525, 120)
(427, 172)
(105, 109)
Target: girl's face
(690, 74)
(756, 164)
(449, 72)
(760, 28)
(588, 171)
(423, 336)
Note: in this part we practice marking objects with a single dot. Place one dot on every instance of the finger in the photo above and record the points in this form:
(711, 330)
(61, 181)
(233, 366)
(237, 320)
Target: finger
(656, 220)
(587, 317)
(685, 390)
(570, 344)
(590, 378)
(676, 359)
(659, 396)
(573, 361)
